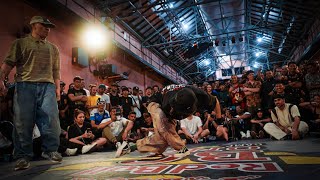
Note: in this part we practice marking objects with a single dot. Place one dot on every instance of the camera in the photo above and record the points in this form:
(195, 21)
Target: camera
(88, 130)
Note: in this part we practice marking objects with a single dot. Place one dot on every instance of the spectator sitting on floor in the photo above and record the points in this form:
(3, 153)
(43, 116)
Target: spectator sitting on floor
(116, 128)
(98, 115)
(191, 129)
(242, 123)
(257, 124)
(135, 133)
(146, 127)
(80, 134)
(286, 121)
(216, 128)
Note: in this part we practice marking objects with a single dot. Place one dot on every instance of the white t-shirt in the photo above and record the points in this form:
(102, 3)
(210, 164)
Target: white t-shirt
(135, 100)
(284, 118)
(105, 97)
(116, 126)
(191, 125)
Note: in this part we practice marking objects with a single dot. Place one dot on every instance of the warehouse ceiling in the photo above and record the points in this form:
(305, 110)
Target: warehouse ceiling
(199, 37)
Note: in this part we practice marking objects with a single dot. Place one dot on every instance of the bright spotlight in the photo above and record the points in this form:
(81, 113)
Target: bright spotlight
(206, 62)
(259, 39)
(95, 37)
(258, 54)
(185, 26)
(171, 5)
(256, 65)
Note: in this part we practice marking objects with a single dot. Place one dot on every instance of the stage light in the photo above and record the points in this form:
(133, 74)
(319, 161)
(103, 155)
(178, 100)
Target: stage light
(185, 26)
(95, 37)
(258, 54)
(206, 62)
(216, 42)
(256, 65)
(259, 39)
(233, 40)
(240, 39)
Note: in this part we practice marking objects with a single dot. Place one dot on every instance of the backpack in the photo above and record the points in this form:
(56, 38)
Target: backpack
(275, 113)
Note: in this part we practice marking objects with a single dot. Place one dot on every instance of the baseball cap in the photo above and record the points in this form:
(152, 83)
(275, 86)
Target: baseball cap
(101, 101)
(77, 78)
(125, 89)
(42, 20)
(62, 83)
(259, 110)
(102, 86)
(278, 96)
(135, 88)
(115, 84)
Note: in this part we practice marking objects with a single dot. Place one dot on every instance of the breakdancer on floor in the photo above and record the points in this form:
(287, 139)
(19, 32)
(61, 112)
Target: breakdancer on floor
(179, 101)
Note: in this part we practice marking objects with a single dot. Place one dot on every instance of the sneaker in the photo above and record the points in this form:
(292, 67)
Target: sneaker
(261, 134)
(243, 135)
(22, 164)
(87, 148)
(248, 135)
(124, 145)
(183, 152)
(212, 138)
(125, 150)
(53, 156)
(253, 135)
(71, 152)
(118, 144)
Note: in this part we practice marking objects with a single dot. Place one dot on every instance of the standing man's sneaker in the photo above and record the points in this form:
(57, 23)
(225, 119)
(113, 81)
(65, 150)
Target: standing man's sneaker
(22, 163)
(52, 156)
(183, 152)
(120, 148)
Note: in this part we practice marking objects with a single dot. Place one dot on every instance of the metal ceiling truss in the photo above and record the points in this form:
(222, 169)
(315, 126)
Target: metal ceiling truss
(158, 24)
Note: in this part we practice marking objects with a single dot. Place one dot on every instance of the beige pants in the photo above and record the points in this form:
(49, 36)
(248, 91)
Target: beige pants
(165, 133)
(277, 133)
(106, 133)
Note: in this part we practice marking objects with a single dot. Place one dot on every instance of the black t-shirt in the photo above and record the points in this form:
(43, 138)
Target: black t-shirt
(77, 104)
(62, 104)
(126, 103)
(114, 100)
(145, 125)
(74, 131)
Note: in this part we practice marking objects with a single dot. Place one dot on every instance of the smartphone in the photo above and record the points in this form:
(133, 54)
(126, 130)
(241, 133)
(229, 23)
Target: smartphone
(88, 130)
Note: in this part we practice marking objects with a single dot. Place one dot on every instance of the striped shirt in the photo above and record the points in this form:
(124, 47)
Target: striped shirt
(36, 60)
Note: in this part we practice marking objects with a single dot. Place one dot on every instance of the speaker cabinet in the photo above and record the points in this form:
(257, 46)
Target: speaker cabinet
(80, 57)
(107, 70)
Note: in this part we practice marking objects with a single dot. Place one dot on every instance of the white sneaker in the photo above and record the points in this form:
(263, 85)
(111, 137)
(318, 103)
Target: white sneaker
(248, 134)
(87, 148)
(182, 153)
(71, 152)
(118, 144)
(243, 135)
(120, 148)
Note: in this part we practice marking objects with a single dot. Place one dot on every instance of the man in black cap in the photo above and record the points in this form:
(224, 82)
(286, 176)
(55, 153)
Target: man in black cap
(37, 91)
(179, 101)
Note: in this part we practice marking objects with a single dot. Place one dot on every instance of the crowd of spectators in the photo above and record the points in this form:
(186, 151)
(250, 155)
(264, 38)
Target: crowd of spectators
(274, 103)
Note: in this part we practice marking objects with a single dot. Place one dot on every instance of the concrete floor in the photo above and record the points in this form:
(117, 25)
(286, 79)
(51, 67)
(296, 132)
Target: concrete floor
(250, 159)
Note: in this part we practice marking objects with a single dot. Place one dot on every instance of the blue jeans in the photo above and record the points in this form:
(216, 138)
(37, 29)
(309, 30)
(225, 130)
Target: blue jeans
(35, 103)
